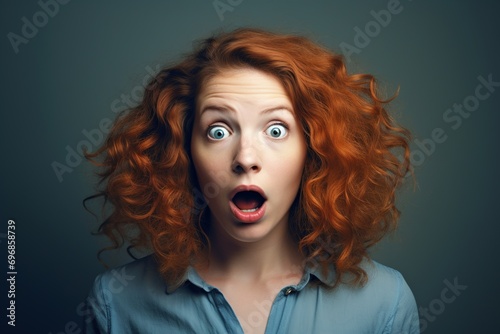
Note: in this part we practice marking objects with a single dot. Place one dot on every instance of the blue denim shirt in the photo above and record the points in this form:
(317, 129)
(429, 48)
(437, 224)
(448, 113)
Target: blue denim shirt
(135, 299)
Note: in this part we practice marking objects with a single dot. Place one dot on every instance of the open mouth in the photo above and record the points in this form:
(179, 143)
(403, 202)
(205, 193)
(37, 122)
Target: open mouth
(248, 201)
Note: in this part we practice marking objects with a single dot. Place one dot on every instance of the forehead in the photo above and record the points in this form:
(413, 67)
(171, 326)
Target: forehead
(244, 84)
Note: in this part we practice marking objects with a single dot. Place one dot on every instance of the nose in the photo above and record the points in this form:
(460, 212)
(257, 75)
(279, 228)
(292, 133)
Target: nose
(247, 158)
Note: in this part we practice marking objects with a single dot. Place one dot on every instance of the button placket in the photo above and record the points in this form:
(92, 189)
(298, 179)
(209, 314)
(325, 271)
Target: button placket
(229, 317)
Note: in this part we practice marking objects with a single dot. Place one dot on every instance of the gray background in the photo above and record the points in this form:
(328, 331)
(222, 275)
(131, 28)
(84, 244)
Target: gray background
(64, 80)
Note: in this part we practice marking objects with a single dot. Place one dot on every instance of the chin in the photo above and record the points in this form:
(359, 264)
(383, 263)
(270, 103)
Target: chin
(249, 238)
(252, 232)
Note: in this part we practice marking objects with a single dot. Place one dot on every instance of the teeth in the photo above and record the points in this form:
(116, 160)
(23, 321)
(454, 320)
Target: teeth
(249, 210)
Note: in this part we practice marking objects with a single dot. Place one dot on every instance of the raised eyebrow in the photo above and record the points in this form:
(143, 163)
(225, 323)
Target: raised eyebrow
(220, 108)
(225, 108)
(277, 108)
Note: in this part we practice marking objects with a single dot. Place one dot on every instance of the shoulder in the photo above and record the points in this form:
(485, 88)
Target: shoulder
(388, 296)
(383, 278)
(129, 281)
(143, 267)
(120, 297)
(384, 288)
(385, 304)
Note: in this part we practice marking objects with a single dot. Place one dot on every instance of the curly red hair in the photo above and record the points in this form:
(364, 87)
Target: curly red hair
(346, 202)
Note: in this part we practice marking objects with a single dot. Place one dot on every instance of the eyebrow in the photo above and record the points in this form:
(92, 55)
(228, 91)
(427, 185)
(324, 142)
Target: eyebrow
(225, 108)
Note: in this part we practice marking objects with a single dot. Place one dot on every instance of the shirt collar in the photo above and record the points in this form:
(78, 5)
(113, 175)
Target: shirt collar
(327, 277)
(192, 276)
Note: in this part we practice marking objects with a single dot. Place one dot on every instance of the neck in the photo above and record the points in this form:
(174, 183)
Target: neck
(271, 256)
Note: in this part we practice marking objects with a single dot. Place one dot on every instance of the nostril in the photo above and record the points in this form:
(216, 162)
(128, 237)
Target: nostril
(246, 159)
(240, 168)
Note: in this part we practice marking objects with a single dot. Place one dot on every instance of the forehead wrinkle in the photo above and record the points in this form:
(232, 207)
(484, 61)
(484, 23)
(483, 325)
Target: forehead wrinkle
(242, 80)
(223, 108)
(244, 87)
(219, 90)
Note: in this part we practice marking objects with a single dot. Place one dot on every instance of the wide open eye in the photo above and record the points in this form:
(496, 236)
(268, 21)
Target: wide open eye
(276, 131)
(217, 132)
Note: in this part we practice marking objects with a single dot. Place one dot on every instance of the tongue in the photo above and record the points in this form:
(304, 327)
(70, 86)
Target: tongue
(247, 200)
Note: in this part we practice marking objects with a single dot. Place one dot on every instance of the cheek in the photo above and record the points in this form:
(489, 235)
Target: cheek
(210, 173)
(199, 162)
(286, 176)
(293, 163)
(205, 184)
(202, 167)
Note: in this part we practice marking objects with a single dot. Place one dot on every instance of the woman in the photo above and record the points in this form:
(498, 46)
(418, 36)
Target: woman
(259, 173)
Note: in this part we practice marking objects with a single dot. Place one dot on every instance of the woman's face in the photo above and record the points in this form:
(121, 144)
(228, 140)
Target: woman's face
(248, 151)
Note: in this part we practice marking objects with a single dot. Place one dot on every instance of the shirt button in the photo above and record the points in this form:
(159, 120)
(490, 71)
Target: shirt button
(289, 290)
